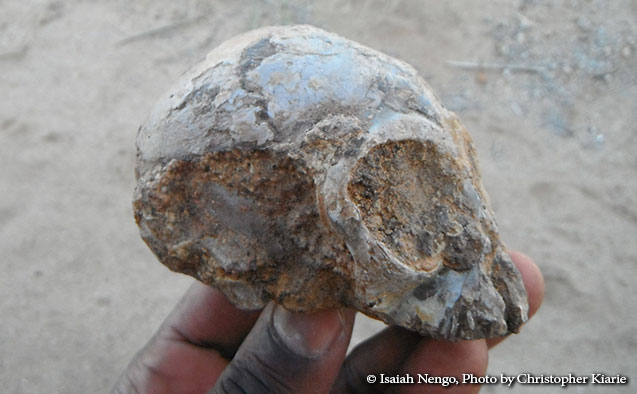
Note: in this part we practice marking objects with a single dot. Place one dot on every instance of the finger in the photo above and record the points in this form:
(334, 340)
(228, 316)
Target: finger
(289, 352)
(204, 317)
(191, 348)
(385, 351)
(533, 282)
(443, 359)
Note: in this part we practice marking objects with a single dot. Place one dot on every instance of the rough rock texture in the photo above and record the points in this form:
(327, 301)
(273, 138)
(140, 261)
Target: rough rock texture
(292, 164)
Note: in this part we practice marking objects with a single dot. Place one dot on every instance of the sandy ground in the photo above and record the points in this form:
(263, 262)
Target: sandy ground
(555, 130)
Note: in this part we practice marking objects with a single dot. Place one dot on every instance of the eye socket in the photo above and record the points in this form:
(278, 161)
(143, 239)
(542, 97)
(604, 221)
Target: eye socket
(399, 188)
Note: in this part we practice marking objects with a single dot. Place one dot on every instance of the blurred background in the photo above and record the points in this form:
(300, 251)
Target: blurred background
(547, 88)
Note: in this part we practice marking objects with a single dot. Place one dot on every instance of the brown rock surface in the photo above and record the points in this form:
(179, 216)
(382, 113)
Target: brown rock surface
(294, 165)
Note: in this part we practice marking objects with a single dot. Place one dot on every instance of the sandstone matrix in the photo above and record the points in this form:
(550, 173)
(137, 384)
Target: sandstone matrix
(294, 165)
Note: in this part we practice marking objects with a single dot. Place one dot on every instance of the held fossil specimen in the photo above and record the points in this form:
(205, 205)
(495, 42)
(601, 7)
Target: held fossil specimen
(292, 164)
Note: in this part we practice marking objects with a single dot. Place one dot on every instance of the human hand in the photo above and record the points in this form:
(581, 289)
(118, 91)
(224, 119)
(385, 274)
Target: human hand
(208, 345)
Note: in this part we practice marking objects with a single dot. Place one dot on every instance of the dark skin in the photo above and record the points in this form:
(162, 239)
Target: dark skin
(207, 345)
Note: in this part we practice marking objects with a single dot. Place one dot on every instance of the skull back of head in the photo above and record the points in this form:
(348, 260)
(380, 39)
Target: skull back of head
(297, 166)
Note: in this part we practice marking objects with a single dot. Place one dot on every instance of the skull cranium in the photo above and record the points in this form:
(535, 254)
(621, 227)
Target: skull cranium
(294, 165)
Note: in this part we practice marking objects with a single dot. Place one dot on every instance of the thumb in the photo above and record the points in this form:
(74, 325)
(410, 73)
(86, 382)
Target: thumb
(289, 352)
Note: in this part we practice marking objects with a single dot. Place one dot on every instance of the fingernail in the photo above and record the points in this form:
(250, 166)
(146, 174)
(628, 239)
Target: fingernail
(308, 334)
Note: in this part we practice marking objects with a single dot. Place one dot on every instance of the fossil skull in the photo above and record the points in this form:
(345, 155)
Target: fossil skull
(297, 166)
